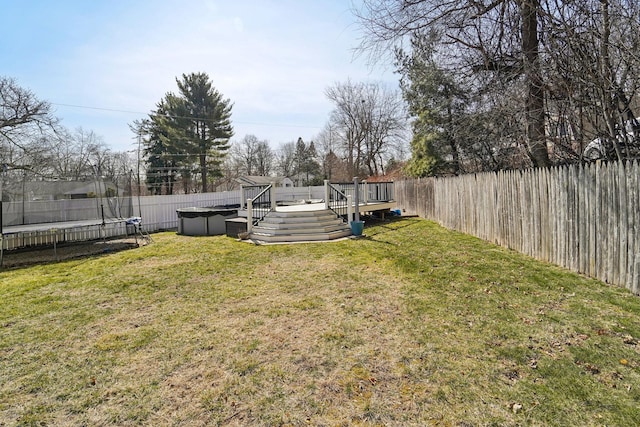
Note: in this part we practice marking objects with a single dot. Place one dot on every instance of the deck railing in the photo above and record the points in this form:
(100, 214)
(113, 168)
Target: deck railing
(250, 192)
(380, 191)
(260, 205)
(348, 189)
(369, 191)
(338, 201)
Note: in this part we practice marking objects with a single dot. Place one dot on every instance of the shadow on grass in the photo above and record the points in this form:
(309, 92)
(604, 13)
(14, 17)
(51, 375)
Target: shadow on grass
(27, 257)
(388, 226)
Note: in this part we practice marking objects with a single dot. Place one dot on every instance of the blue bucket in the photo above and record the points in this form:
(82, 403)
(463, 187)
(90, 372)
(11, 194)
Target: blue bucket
(357, 227)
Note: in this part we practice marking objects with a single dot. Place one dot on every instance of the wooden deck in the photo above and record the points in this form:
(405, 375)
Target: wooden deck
(363, 207)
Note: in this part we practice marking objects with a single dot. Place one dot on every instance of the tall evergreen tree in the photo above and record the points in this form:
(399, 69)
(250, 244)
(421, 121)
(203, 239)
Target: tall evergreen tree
(306, 163)
(436, 102)
(193, 127)
(209, 122)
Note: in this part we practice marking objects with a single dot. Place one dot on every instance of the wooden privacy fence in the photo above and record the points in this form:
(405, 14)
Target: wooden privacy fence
(582, 217)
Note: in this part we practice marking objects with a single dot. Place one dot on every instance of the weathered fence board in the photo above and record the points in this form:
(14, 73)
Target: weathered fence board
(582, 217)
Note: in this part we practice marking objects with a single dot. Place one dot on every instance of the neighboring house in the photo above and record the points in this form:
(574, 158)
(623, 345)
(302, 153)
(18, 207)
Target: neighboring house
(249, 180)
(58, 190)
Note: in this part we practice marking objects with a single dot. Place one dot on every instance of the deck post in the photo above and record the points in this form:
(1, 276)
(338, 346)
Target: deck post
(327, 194)
(349, 209)
(356, 197)
(365, 190)
(242, 197)
(249, 215)
(273, 196)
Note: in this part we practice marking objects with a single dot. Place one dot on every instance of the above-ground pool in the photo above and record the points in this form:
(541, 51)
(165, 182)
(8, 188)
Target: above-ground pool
(207, 221)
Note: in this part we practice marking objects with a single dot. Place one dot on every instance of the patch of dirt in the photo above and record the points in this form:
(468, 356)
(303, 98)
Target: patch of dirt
(46, 254)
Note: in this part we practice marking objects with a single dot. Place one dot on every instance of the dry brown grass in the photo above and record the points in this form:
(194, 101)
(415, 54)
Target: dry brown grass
(412, 326)
(65, 251)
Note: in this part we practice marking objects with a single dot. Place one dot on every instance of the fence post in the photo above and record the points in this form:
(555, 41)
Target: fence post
(249, 215)
(327, 194)
(349, 209)
(242, 197)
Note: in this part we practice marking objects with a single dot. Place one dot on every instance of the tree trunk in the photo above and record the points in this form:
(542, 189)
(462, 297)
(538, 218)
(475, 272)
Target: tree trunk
(534, 108)
(204, 171)
(202, 135)
(455, 158)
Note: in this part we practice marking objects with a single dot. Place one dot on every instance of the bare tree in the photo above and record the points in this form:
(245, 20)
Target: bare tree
(231, 171)
(285, 159)
(385, 126)
(252, 156)
(244, 153)
(500, 38)
(367, 119)
(22, 115)
(592, 64)
(567, 69)
(347, 118)
(27, 127)
(264, 158)
(327, 144)
(34, 146)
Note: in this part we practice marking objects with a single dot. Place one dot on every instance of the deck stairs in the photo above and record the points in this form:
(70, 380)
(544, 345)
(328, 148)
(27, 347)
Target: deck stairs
(287, 226)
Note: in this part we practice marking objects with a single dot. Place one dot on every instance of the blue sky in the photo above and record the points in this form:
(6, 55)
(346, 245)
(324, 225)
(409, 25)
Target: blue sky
(103, 64)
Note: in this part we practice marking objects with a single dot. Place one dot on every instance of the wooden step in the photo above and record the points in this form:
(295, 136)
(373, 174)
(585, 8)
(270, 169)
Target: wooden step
(307, 229)
(302, 214)
(313, 237)
(294, 219)
(300, 226)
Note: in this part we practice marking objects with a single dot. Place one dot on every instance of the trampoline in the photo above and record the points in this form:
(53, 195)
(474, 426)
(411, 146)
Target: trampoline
(55, 233)
(46, 226)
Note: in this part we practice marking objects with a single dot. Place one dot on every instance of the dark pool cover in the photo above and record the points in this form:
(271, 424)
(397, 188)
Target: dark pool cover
(194, 212)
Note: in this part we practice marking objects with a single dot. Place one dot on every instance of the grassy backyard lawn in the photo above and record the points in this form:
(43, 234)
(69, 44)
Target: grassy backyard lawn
(412, 325)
